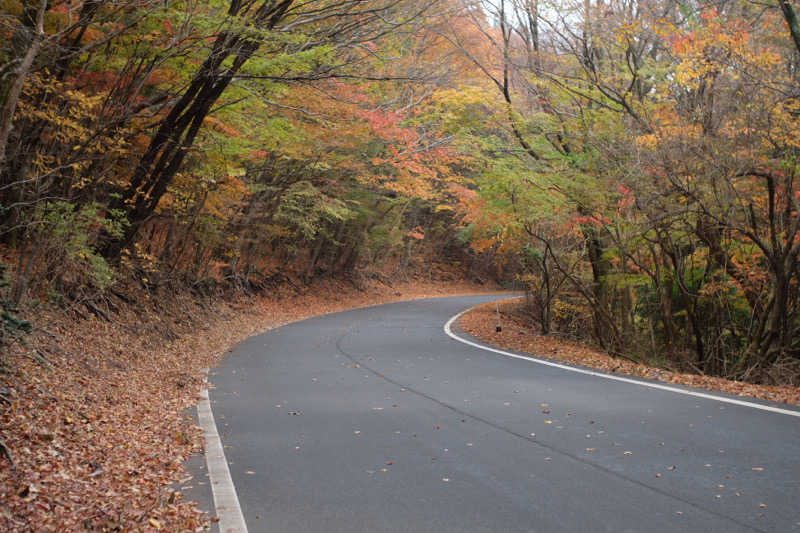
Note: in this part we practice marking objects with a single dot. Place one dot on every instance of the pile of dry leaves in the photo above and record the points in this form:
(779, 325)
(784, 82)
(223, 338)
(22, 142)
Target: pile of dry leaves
(96, 426)
(517, 335)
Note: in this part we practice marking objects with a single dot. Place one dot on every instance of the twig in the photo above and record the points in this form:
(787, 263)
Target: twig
(5, 451)
(37, 356)
(93, 308)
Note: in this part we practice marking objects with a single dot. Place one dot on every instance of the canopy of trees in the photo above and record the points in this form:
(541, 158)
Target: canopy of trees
(632, 163)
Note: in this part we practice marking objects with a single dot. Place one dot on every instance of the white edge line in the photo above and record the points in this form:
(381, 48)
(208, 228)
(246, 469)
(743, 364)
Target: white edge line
(226, 502)
(449, 331)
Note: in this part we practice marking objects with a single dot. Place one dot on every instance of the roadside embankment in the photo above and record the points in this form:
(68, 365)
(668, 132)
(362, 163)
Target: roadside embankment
(517, 334)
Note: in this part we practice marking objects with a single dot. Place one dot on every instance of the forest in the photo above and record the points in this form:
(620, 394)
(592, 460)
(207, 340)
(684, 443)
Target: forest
(630, 163)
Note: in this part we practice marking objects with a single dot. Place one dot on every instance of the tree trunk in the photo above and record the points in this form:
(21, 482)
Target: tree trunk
(790, 17)
(177, 132)
(34, 36)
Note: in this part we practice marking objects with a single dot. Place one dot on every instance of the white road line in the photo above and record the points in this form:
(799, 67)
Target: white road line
(449, 331)
(226, 502)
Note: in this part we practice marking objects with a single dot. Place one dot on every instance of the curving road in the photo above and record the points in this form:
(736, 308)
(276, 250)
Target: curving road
(374, 420)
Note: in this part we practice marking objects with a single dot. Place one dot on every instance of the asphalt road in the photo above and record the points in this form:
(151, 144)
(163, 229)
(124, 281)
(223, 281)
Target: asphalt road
(374, 420)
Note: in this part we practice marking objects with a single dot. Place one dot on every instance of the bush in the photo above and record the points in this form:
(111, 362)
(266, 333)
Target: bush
(62, 245)
(12, 327)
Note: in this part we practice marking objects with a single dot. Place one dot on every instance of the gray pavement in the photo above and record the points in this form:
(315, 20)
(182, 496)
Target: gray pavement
(374, 420)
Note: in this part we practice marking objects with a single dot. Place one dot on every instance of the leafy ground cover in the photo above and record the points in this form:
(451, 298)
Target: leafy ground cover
(94, 423)
(518, 334)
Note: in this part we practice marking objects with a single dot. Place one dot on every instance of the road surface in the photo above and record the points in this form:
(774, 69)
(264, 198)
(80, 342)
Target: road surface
(374, 420)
